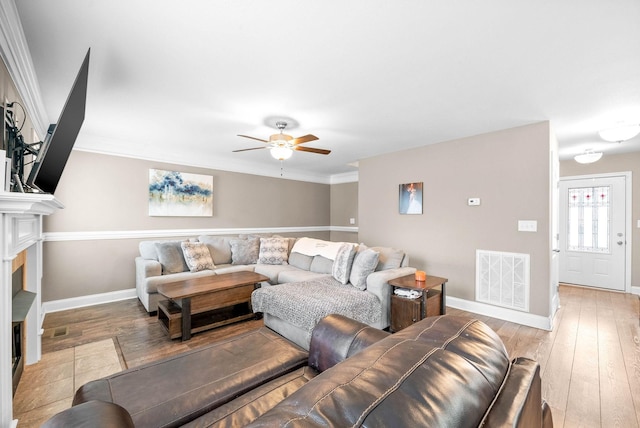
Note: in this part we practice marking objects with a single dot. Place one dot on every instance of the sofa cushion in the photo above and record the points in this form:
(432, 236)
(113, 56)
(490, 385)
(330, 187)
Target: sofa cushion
(390, 258)
(170, 257)
(219, 248)
(297, 275)
(272, 271)
(364, 263)
(299, 260)
(244, 251)
(148, 250)
(176, 390)
(342, 264)
(321, 264)
(197, 256)
(273, 251)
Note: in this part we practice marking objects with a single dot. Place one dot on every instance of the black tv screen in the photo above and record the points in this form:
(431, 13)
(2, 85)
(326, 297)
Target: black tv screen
(56, 148)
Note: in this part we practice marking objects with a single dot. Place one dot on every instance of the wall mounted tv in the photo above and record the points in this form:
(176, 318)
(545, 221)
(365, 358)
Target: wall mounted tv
(61, 136)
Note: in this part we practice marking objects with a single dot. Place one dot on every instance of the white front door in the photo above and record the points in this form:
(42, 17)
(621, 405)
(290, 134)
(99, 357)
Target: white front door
(592, 232)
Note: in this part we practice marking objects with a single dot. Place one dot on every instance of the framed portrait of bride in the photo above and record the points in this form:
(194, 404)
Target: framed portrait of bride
(410, 198)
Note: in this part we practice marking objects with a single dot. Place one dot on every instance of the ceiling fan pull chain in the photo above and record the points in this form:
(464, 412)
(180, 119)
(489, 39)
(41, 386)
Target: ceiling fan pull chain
(281, 167)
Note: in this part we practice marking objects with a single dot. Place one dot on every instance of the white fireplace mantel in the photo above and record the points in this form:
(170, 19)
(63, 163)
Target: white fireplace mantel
(21, 229)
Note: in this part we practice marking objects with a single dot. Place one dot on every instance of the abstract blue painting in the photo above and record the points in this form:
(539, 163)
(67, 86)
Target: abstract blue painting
(180, 194)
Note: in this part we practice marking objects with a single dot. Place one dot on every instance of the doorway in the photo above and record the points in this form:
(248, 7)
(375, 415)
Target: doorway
(593, 231)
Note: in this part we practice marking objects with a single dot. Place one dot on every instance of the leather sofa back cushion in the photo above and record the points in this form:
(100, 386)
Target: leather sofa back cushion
(387, 384)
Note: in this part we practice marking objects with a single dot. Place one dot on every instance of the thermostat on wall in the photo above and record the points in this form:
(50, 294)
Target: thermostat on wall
(473, 201)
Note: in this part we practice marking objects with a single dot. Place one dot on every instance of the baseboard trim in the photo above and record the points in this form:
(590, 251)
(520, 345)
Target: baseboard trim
(635, 290)
(530, 320)
(90, 300)
(175, 233)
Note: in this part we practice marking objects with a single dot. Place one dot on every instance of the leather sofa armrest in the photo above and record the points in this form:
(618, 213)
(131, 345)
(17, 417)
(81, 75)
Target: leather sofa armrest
(336, 338)
(97, 414)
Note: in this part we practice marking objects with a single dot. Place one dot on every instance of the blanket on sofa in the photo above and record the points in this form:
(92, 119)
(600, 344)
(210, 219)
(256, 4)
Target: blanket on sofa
(305, 303)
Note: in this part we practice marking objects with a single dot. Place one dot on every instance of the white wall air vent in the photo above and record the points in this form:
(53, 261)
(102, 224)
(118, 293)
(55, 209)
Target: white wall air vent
(502, 279)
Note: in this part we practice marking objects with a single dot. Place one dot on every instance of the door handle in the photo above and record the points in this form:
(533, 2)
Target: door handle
(620, 242)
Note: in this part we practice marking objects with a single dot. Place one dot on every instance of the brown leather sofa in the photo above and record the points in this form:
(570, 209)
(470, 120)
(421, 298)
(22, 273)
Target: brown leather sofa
(442, 371)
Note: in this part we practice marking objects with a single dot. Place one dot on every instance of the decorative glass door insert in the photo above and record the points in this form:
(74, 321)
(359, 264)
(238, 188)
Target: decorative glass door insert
(589, 219)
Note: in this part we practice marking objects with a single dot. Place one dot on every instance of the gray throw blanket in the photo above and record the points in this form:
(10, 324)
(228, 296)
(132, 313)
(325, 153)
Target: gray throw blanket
(305, 303)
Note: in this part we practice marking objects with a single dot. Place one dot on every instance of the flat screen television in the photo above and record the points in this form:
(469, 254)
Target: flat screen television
(56, 147)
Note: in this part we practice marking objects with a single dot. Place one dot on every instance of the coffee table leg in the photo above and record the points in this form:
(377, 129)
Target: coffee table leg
(186, 318)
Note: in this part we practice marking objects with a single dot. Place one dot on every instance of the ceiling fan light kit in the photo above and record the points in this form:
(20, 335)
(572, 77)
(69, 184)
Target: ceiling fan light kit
(281, 152)
(281, 146)
(620, 133)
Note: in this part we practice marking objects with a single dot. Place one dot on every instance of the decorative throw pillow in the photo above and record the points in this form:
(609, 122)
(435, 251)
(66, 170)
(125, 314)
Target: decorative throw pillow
(273, 251)
(364, 263)
(170, 257)
(197, 256)
(244, 251)
(342, 264)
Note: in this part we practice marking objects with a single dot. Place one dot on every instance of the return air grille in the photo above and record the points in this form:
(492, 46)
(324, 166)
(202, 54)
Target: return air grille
(502, 279)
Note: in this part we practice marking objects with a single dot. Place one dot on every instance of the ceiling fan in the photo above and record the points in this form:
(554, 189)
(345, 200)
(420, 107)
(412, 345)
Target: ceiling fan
(282, 145)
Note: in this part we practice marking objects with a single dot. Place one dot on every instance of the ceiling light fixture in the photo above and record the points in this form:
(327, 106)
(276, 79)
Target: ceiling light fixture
(281, 151)
(589, 156)
(620, 133)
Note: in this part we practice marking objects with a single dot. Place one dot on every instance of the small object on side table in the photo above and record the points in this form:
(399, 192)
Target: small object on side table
(430, 302)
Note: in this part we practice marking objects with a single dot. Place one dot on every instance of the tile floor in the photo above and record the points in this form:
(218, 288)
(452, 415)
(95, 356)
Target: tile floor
(57, 376)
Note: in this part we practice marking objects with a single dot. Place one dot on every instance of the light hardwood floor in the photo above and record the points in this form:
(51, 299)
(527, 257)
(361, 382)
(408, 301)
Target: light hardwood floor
(590, 362)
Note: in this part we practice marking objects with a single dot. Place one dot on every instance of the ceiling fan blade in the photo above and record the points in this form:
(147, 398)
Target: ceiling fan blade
(253, 138)
(312, 150)
(244, 150)
(303, 139)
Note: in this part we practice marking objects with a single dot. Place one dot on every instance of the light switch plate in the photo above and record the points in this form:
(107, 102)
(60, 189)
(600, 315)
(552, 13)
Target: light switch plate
(473, 202)
(527, 226)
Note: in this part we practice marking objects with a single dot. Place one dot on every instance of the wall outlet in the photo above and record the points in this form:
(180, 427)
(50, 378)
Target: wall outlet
(527, 226)
(473, 202)
(352, 220)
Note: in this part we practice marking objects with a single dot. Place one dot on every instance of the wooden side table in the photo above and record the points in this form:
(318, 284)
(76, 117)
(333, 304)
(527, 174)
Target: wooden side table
(431, 302)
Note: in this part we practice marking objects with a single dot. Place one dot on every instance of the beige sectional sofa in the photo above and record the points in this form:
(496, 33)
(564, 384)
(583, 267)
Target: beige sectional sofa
(301, 263)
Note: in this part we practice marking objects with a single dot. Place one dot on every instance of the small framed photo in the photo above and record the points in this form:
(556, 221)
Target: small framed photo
(410, 198)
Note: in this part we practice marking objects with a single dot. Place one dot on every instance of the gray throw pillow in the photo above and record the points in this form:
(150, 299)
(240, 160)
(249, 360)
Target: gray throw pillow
(364, 264)
(342, 263)
(244, 251)
(170, 257)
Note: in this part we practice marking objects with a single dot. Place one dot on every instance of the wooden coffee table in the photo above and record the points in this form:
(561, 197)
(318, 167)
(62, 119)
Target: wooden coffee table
(200, 304)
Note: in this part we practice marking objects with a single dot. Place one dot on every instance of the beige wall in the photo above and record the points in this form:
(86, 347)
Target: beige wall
(509, 170)
(344, 206)
(617, 163)
(109, 194)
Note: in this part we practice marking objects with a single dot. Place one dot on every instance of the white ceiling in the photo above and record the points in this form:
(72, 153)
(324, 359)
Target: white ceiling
(177, 80)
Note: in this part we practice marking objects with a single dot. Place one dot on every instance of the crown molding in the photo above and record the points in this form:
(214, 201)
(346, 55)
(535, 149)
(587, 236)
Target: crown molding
(17, 58)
